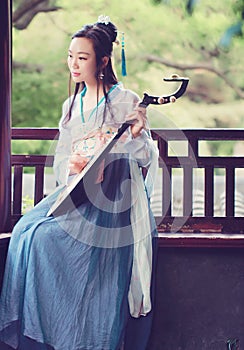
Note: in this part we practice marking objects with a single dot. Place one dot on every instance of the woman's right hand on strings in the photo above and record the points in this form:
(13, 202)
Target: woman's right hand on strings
(77, 163)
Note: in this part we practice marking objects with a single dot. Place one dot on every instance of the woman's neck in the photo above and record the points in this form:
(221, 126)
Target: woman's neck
(91, 98)
(93, 94)
(95, 90)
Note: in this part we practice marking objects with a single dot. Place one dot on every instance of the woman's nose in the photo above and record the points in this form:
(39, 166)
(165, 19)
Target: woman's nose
(75, 64)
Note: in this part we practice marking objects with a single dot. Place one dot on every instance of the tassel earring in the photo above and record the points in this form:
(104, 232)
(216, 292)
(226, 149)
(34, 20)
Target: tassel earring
(123, 60)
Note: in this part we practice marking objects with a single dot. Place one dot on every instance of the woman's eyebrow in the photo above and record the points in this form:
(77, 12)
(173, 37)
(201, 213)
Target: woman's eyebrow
(80, 52)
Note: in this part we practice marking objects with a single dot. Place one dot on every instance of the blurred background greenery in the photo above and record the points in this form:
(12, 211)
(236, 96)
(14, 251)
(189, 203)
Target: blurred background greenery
(199, 39)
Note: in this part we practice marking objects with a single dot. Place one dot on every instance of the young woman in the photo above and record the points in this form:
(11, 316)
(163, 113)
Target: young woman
(83, 279)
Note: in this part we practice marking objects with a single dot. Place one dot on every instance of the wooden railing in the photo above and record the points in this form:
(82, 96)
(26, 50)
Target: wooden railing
(227, 228)
(39, 162)
(191, 161)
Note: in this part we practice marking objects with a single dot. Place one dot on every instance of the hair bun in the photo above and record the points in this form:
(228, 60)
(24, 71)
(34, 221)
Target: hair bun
(108, 26)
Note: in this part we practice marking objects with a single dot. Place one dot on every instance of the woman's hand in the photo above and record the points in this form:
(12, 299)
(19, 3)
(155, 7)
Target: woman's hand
(77, 163)
(139, 114)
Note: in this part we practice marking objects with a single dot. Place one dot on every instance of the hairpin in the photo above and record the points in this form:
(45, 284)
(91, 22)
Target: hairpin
(103, 19)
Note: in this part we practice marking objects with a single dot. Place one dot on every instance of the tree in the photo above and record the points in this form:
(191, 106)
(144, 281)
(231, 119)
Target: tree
(26, 10)
(166, 36)
(208, 55)
(23, 13)
(30, 84)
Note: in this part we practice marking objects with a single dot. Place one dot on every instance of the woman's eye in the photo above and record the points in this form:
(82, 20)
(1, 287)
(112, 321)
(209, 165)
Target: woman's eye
(82, 58)
(69, 56)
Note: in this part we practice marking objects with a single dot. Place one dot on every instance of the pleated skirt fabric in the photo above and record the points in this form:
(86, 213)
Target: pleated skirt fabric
(60, 290)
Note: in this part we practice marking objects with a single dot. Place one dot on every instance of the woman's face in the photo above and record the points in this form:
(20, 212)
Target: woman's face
(82, 61)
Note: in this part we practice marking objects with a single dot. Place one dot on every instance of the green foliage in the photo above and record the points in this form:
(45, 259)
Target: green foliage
(32, 147)
(36, 100)
(218, 148)
(238, 7)
(27, 204)
(162, 28)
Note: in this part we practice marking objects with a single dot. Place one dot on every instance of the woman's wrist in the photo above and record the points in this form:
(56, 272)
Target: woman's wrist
(135, 134)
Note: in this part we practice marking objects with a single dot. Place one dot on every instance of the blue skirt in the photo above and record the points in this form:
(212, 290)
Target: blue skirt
(62, 292)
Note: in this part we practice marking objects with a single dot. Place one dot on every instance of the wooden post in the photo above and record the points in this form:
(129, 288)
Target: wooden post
(5, 116)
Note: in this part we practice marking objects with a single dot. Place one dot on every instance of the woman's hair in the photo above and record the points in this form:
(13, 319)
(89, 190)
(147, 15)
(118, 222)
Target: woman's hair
(102, 35)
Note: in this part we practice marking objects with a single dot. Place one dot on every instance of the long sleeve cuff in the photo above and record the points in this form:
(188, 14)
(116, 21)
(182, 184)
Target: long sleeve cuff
(139, 148)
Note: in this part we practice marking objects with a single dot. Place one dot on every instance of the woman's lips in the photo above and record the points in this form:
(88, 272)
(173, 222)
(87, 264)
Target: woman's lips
(74, 74)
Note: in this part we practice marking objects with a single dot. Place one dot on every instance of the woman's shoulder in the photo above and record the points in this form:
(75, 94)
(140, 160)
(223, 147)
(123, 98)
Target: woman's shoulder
(126, 95)
(66, 104)
(122, 102)
(65, 109)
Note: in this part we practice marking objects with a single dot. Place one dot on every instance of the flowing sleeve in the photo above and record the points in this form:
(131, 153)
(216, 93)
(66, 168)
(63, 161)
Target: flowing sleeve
(144, 150)
(63, 150)
(141, 148)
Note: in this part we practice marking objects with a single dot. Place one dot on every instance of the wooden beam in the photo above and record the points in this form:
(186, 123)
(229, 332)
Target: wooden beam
(5, 115)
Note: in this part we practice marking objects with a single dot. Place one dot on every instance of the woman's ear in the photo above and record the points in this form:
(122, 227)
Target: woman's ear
(104, 61)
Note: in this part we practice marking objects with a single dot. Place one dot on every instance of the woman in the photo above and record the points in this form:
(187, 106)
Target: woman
(79, 280)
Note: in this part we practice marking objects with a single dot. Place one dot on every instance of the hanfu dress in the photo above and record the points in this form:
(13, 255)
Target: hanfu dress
(75, 281)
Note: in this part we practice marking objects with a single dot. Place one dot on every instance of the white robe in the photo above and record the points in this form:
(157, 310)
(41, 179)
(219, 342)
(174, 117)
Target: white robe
(142, 150)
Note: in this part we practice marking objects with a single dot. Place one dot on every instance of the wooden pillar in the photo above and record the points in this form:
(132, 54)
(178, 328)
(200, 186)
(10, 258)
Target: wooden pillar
(5, 115)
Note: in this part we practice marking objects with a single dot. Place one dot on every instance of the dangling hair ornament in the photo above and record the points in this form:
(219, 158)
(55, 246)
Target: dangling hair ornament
(106, 20)
(123, 60)
(103, 19)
